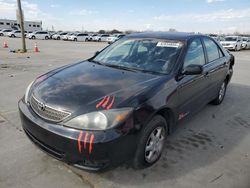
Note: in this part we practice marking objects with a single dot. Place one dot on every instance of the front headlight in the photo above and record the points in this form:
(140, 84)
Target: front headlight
(100, 120)
(26, 96)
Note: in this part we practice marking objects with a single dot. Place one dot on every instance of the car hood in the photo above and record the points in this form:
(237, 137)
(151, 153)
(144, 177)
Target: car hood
(82, 86)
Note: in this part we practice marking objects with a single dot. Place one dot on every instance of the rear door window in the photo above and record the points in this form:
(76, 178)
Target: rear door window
(212, 49)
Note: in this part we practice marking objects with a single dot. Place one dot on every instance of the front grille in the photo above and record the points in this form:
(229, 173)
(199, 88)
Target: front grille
(47, 112)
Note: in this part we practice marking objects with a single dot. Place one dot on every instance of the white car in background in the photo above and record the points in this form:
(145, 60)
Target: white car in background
(58, 36)
(5, 32)
(100, 38)
(114, 38)
(79, 37)
(232, 43)
(16, 33)
(246, 42)
(39, 35)
(91, 36)
(66, 37)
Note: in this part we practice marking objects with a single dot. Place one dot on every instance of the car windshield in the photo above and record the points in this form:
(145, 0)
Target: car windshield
(146, 55)
(230, 39)
(245, 39)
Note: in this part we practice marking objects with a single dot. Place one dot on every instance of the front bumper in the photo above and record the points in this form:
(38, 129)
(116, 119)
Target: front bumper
(229, 47)
(89, 150)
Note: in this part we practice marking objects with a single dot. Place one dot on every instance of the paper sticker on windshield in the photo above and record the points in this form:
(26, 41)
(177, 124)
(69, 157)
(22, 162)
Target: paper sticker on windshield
(168, 44)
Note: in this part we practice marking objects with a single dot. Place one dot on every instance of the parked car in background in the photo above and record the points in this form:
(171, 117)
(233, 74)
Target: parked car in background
(232, 43)
(58, 36)
(79, 37)
(121, 105)
(5, 32)
(51, 33)
(101, 38)
(91, 36)
(16, 33)
(66, 37)
(39, 35)
(246, 42)
(114, 38)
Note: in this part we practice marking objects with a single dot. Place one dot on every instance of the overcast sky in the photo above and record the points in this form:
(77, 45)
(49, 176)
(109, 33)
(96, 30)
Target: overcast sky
(184, 15)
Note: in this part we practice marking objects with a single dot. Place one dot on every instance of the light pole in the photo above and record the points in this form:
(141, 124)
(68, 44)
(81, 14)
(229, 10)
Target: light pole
(20, 13)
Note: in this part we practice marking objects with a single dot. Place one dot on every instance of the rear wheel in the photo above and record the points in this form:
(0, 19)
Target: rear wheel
(151, 143)
(75, 39)
(33, 37)
(58, 38)
(12, 36)
(46, 37)
(221, 94)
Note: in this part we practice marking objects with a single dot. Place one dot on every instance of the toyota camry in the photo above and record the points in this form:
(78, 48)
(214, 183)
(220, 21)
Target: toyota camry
(120, 105)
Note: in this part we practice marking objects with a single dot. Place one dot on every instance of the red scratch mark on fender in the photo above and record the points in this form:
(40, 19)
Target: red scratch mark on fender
(90, 143)
(111, 104)
(79, 142)
(106, 102)
(100, 103)
(182, 115)
(85, 140)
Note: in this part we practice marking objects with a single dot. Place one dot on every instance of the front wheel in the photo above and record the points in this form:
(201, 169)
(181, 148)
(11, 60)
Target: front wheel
(151, 143)
(46, 37)
(221, 94)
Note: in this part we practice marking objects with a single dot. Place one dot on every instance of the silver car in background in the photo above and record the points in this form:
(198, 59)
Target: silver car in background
(246, 42)
(232, 43)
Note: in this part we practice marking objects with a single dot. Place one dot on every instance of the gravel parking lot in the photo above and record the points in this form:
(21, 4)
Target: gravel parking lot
(210, 149)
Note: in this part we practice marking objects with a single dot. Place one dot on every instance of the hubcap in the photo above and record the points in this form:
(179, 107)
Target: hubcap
(222, 91)
(154, 144)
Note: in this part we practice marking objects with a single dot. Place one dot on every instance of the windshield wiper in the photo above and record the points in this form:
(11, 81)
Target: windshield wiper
(96, 62)
(120, 67)
(151, 72)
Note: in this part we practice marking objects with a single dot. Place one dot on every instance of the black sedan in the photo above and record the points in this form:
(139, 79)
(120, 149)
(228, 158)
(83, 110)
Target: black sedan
(120, 105)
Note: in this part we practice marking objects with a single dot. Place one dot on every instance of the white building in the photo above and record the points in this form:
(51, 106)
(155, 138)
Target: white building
(28, 25)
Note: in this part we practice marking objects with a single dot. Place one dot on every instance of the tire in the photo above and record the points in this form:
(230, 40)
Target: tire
(13, 36)
(235, 49)
(75, 39)
(33, 37)
(46, 37)
(99, 40)
(86, 40)
(221, 94)
(58, 38)
(142, 157)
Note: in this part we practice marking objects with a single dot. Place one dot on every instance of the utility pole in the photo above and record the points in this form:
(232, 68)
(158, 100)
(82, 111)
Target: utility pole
(20, 14)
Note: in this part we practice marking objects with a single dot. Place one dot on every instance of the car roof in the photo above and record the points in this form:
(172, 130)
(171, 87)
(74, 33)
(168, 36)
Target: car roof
(165, 35)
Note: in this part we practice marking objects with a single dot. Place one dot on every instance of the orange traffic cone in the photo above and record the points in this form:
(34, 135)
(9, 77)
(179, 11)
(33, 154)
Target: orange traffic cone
(36, 48)
(5, 45)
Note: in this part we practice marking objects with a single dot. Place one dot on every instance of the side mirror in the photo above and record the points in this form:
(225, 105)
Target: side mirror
(193, 70)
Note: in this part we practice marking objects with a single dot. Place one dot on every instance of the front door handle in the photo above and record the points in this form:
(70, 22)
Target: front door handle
(206, 74)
